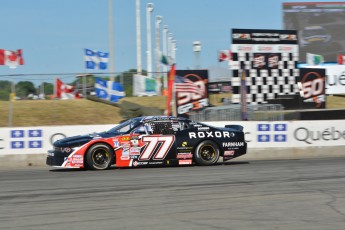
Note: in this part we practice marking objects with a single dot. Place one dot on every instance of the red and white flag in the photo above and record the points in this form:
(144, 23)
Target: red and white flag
(11, 58)
(224, 55)
(341, 59)
(64, 91)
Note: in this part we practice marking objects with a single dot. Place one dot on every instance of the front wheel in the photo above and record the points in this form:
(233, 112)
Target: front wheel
(206, 153)
(100, 157)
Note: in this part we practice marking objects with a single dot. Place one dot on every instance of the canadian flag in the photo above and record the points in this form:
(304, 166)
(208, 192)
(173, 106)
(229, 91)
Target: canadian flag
(11, 58)
(341, 59)
(224, 55)
(64, 91)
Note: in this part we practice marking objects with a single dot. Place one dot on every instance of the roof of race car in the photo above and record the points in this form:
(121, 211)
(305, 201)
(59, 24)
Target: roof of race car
(160, 118)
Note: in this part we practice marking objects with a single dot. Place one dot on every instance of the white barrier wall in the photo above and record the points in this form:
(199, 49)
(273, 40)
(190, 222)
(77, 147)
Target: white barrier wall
(259, 134)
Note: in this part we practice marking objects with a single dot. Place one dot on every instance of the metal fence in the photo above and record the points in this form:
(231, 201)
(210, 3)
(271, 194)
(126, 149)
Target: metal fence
(266, 112)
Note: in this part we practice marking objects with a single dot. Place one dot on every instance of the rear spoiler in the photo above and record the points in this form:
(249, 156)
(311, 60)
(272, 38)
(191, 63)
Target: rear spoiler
(236, 127)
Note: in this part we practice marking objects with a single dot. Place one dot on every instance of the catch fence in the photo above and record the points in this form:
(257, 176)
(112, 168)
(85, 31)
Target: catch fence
(266, 112)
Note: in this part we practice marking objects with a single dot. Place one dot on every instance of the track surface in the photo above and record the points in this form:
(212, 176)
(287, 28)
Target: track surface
(282, 194)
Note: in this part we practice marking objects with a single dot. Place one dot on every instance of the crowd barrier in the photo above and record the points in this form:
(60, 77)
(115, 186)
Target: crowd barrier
(268, 138)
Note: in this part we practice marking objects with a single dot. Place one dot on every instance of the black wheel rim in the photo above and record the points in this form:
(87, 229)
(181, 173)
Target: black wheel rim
(101, 158)
(208, 153)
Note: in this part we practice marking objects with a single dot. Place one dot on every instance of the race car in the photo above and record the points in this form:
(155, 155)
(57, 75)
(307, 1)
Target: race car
(147, 141)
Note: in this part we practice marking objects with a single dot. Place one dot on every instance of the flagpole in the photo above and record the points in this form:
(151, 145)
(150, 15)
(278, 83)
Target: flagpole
(111, 42)
(10, 110)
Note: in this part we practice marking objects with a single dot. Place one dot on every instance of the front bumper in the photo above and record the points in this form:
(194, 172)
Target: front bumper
(56, 158)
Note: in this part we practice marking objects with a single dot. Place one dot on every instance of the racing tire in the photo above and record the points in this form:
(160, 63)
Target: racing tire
(99, 157)
(206, 153)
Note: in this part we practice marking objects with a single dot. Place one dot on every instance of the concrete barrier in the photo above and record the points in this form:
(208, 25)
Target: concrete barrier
(27, 146)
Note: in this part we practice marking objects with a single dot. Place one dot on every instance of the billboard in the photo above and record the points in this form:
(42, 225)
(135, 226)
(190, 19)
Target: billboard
(320, 27)
(312, 88)
(190, 90)
(144, 86)
(270, 59)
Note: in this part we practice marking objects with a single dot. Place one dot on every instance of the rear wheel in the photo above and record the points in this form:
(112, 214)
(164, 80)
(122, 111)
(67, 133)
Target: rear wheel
(100, 157)
(206, 153)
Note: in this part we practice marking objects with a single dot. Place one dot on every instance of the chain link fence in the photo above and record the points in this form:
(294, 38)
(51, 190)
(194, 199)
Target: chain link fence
(266, 112)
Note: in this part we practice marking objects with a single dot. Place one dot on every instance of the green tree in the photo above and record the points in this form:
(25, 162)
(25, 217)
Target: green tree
(5, 89)
(24, 88)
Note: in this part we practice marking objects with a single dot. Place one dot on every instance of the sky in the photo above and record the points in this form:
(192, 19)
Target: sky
(54, 33)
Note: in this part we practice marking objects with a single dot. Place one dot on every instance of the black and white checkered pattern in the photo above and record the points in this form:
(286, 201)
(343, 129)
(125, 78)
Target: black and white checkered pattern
(265, 83)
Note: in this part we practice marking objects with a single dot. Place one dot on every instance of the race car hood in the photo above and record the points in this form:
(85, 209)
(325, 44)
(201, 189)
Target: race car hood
(81, 139)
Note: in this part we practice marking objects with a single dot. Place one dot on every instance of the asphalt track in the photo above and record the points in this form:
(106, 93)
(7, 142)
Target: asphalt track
(277, 194)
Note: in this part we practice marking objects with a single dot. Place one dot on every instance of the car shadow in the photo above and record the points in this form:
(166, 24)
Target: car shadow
(152, 166)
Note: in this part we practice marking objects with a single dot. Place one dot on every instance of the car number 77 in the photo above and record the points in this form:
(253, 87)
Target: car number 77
(152, 143)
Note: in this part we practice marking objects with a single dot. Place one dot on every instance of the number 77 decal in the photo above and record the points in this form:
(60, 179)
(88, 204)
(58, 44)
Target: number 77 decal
(152, 143)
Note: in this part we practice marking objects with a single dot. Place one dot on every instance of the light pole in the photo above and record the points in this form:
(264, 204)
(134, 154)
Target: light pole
(149, 8)
(111, 42)
(165, 53)
(173, 49)
(158, 53)
(197, 50)
(170, 38)
(139, 66)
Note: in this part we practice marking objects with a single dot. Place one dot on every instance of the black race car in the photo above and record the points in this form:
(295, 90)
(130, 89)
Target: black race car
(153, 140)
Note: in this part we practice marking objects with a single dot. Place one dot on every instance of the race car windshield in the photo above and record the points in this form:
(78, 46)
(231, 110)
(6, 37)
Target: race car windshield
(125, 127)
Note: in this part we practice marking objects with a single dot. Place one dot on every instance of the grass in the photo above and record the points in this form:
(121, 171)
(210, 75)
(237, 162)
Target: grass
(82, 111)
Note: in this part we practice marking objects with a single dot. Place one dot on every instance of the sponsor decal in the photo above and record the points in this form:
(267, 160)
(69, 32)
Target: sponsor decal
(233, 144)
(124, 158)
(184, 143)
(116, 144)
(125, 151)
(137, 163)
(259, 61)
(211, 134)
(229, 153)
(186, 155)
(241, 36)
(77, 159)
(185, 162)
(134, 151)
(203, 128)
(126, 138)
(155, 163)
(289, 37)
(273, 61)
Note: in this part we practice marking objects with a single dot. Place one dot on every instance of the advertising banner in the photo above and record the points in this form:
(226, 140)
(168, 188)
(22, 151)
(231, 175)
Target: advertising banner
(312, 88)
(258, 36)
(335, 78)
(144, 86)
(320, 26)
(190, 90)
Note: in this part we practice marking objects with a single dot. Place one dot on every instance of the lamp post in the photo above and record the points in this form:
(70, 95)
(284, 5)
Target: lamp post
(139, 66)
(165, 53)
(173, 49)
(111, 42)
(149, 8)
(158, 53)
(197, 50)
